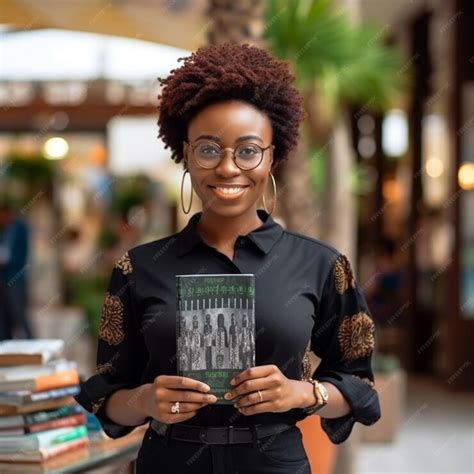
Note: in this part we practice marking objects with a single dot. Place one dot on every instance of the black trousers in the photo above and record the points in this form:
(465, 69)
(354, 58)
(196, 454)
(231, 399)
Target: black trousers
(281, 453)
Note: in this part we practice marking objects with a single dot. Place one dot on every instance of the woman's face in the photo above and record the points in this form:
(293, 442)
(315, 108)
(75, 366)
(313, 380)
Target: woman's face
(229, 123)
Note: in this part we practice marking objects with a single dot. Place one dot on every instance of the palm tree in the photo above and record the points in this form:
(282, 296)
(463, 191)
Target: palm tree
(336, 64)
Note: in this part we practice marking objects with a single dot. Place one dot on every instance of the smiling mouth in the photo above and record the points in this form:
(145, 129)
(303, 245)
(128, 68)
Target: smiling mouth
(228, 192)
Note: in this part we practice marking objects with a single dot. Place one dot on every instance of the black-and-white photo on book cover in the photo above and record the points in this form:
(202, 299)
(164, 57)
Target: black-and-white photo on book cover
(215, 327)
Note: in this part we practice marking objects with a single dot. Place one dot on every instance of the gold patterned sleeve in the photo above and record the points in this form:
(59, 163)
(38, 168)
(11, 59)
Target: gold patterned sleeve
(344, 339)
(121, 353)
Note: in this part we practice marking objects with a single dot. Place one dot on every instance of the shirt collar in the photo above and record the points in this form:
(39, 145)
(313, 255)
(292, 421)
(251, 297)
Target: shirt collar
(264, 237)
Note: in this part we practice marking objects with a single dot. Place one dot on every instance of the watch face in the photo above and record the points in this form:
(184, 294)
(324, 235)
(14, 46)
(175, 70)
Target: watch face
(324, 392)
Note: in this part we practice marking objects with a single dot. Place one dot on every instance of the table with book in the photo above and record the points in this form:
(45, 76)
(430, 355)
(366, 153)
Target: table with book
(42, 427)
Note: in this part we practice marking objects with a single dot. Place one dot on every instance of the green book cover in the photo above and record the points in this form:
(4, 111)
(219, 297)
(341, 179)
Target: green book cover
(215, 328)
(61, 412)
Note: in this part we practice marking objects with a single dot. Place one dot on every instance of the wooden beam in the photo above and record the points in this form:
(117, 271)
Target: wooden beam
(85, 117)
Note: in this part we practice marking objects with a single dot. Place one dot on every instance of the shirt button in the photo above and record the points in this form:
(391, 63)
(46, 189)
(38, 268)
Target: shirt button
(241, 242)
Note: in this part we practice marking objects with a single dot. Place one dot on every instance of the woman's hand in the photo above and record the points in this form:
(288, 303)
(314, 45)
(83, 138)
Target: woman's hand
(279, 393)
(168, 389)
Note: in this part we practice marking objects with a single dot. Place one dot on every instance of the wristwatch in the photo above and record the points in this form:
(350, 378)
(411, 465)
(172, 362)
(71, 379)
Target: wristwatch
(320, 393)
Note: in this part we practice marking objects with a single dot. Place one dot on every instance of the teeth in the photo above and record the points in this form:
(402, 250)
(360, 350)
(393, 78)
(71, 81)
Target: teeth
(229, 190)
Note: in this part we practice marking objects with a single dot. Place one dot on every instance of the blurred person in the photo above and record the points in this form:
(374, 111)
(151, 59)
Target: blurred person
(124, 235)
(14, 246)
(76, 253)
(385, 294)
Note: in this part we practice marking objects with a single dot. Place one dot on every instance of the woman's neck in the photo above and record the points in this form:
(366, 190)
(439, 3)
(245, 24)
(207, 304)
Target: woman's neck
(221, 231)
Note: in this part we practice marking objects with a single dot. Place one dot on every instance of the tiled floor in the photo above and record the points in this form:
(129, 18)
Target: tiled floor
(436, 436)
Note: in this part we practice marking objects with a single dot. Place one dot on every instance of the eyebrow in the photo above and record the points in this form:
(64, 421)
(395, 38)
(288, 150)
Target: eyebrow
(240, 139)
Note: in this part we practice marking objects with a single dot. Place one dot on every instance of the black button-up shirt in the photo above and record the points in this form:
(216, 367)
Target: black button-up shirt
(305, 293)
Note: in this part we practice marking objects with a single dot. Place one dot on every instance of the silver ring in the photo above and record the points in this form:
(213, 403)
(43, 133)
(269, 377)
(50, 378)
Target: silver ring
(175, 407)
(260, 395)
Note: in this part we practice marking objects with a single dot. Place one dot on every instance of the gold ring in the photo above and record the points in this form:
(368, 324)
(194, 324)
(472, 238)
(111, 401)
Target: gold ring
(260, 395)
(175, 407)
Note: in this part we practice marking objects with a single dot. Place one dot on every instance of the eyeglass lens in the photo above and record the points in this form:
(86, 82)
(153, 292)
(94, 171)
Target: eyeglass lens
(246, 155)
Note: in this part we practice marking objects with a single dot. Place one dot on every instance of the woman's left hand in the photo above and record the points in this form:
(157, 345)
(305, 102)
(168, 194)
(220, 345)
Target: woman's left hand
(279, 393)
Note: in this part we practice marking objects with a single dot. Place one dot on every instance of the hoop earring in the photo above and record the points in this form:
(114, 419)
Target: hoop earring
(191, 202)
(274, 196)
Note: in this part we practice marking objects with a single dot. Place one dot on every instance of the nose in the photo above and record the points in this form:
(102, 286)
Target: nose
(227, 166)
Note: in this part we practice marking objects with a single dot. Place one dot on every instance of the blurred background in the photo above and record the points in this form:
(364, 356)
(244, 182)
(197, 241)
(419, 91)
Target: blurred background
(384, 172)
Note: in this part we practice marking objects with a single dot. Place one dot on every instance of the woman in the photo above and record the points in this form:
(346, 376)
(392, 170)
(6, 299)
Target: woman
(231, 114)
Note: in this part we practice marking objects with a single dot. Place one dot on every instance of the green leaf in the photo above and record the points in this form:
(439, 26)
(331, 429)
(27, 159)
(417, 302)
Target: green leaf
(351, 63)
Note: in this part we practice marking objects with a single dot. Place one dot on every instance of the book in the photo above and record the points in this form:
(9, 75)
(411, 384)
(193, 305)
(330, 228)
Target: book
(64, 422)
(61, 378)
(45, 439)
(29, 351)
(30, 371)
(23, 397)
(95, 431)
(36, 406)
(42, 454)
(16, 421)
(215, 328)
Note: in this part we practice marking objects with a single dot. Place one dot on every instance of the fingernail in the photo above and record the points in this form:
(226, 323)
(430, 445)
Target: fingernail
(232, 382)
(227, 396)
(206, 388)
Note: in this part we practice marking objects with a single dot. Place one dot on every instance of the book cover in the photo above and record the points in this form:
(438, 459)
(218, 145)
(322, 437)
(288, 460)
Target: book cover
(64, 422)
(40, 383)
(60, 412)
(35, 406)
(28, 372)
(67, 421)
(215, 328)
(27, 461)
(23, 397)
(44, 439)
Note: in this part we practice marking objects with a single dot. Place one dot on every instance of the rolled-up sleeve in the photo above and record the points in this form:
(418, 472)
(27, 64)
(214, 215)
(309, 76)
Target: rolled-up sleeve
(121, 353)
(343, 338)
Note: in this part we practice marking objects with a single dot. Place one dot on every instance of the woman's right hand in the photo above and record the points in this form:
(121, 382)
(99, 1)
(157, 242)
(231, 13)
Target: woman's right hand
(168, 389)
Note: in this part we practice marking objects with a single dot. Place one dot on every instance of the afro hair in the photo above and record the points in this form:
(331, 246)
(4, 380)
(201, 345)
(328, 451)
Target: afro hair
(230, 72)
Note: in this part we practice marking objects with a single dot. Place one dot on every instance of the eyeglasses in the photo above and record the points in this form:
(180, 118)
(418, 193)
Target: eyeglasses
(247, 156)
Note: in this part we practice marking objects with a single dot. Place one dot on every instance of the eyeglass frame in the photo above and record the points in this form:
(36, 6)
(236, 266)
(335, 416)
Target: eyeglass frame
(234, 158)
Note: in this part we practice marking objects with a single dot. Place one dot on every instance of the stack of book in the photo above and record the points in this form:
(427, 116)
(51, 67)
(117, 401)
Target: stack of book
(39, 417)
